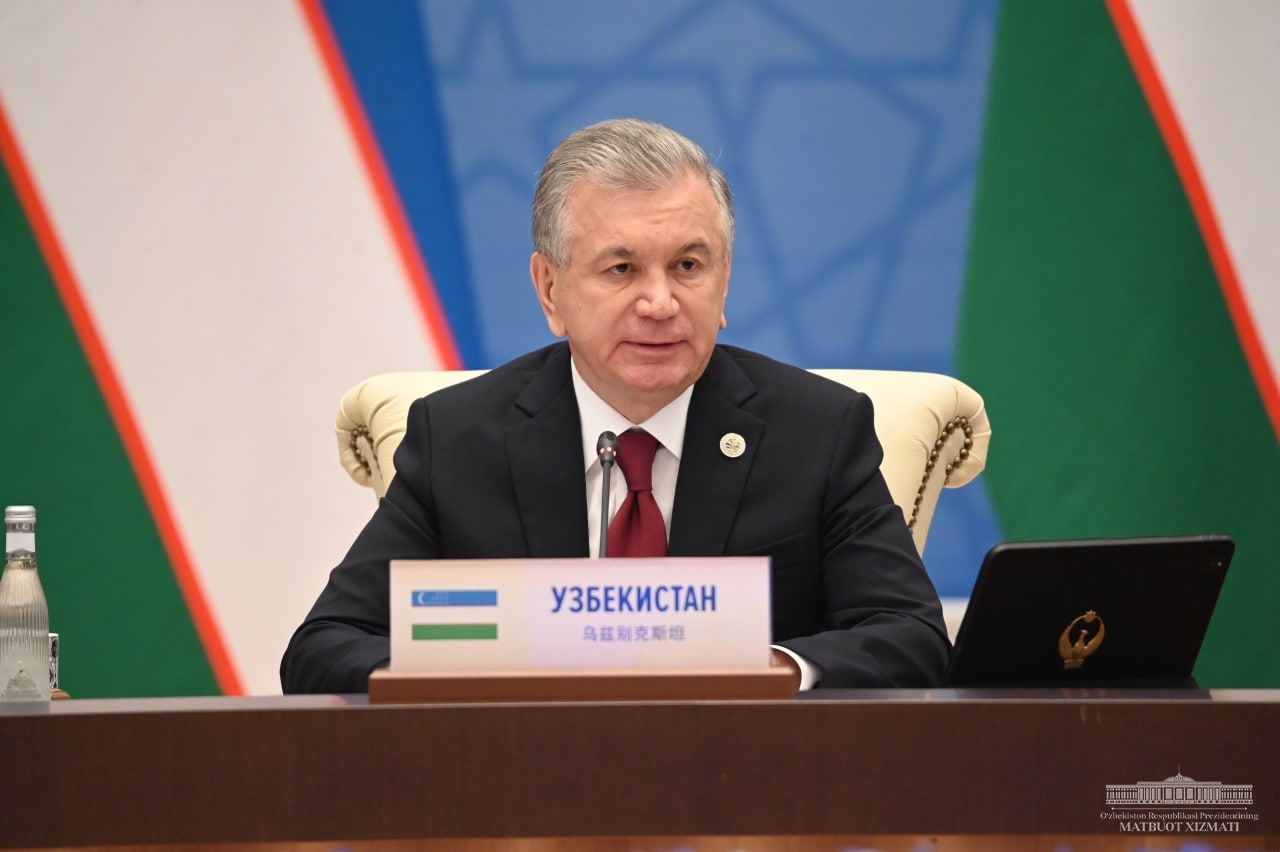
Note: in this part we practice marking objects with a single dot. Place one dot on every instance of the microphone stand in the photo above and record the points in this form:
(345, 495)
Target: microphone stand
(607, 449)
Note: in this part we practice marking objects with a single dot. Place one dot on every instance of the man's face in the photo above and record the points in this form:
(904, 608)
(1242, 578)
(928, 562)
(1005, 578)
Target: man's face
(642, 297)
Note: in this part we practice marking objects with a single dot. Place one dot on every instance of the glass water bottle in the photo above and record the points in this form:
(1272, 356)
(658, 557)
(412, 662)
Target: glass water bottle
(24, 613)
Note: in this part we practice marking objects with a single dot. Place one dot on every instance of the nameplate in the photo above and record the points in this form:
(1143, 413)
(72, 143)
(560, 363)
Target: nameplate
(520, 614)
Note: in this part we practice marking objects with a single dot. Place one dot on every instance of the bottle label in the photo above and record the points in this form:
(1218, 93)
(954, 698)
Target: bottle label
(21, 688)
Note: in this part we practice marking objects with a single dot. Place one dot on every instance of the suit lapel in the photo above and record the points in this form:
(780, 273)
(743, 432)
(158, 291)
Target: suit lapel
(545, 454)
(710, 485)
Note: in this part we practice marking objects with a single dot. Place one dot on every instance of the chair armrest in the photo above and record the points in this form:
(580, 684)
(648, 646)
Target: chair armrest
(935, 434)
(371, 421)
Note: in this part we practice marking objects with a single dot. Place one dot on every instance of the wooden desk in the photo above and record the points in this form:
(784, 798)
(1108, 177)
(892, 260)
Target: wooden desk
(277, 769)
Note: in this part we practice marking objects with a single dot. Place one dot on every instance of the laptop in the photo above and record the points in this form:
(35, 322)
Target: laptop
(1091, 613)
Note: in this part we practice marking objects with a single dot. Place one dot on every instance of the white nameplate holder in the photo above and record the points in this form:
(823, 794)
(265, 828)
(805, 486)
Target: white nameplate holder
(580, 629)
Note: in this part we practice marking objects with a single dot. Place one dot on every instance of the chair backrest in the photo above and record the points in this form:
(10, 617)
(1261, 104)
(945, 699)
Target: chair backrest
(934, 430)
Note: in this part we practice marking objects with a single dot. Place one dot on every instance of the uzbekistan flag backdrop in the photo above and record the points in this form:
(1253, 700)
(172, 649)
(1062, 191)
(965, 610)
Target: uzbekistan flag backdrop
(215, 217)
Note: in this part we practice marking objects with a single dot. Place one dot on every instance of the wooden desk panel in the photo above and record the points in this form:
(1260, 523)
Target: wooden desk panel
(286, 769)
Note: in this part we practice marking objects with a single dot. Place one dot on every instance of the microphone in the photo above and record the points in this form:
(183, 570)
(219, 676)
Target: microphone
(607, 450)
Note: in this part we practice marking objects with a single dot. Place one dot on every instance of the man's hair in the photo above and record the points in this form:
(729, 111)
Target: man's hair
(622, 153)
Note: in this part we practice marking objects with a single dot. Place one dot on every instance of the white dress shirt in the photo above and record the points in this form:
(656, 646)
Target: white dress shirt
(667, 426)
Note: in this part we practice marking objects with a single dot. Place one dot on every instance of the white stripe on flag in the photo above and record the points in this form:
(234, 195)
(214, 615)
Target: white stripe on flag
(1218, 63)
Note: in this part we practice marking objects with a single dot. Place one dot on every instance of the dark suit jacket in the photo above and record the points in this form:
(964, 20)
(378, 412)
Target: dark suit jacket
(492, 468)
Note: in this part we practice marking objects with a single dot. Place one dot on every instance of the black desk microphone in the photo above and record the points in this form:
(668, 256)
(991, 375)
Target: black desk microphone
(607, 450)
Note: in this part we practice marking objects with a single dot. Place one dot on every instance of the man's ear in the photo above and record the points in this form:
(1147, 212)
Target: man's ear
(724, 298)
(544, 273)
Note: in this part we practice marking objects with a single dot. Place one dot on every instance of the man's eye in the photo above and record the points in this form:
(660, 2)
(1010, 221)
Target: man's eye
(687, 265)
(620, 268)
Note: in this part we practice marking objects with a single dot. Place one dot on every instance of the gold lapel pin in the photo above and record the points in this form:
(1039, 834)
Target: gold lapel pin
(733, 445)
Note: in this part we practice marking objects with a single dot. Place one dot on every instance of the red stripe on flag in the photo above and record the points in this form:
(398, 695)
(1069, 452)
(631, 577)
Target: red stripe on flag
(431, 312)
(86, 331)
(1201, 205)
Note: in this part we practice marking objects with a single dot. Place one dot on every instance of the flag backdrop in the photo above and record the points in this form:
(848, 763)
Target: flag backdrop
(217, 216)
(1116, 250)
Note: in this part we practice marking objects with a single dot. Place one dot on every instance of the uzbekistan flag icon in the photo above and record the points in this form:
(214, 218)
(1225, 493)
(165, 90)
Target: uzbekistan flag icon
(454, 625)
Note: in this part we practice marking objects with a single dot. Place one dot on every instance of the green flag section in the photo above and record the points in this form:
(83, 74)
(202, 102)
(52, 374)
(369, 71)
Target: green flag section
(453, 632)
(1096, 329)
(113, 598)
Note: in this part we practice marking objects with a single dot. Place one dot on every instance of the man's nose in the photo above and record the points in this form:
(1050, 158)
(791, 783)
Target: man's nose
(657, 299)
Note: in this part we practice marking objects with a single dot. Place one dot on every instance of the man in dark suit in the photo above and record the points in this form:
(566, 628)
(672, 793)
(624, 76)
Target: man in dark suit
(633, 235)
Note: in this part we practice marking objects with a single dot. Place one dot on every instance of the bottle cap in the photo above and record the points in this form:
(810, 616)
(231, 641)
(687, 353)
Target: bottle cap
(13, 514)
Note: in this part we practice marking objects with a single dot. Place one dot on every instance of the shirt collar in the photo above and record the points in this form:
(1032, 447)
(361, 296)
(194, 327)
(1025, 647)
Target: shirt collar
(667, 424)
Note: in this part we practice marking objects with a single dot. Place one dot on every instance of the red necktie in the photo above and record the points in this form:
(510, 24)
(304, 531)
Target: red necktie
(637, 529)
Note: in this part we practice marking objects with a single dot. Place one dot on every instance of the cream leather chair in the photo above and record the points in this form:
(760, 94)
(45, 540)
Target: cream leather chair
(934, 430)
